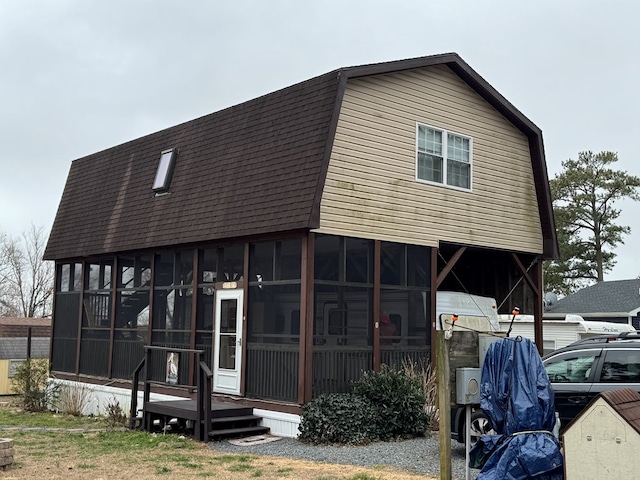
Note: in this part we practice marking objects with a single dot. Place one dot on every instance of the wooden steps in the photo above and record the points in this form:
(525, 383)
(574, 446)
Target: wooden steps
(227, 420)
(242, 423)
(237, 432)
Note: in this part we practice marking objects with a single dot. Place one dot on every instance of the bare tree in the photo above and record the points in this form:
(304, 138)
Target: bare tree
(26, 280)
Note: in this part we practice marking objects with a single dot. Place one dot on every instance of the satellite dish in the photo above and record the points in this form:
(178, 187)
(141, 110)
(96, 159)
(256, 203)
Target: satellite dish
(550, 299)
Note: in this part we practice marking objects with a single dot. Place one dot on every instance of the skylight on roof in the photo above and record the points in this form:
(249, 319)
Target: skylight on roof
(165, 170)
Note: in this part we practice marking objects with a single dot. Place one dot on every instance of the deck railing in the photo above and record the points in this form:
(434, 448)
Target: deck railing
(203, 385)
(272, 371)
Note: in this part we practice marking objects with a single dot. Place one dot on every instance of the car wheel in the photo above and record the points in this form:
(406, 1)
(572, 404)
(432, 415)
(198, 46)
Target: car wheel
(479, 426)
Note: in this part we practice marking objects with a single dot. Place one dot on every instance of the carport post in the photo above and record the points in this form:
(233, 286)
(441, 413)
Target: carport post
(444, 403)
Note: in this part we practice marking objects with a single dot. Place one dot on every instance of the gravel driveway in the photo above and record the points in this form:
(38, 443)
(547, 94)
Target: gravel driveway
(420, 455)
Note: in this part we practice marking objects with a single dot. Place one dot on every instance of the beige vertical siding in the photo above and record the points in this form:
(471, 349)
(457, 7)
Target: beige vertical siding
(371, 190)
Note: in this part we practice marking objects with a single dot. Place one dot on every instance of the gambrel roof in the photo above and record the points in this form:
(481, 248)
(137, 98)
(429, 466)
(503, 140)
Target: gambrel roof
(251, 169)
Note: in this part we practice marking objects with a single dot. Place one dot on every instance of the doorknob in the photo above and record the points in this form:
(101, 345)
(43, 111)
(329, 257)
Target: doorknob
(239, 342)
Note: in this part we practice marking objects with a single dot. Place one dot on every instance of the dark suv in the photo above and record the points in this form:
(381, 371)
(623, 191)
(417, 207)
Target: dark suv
(578, 373)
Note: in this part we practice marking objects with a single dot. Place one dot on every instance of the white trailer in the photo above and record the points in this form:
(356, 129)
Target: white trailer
(474, 312)
(560, 333)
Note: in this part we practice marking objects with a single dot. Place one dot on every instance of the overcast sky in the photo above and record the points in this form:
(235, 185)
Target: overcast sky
(79, 76)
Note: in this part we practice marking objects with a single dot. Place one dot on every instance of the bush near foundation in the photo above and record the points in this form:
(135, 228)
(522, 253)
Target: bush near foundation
(31, 384)
(383, 405)
(338, 418)
(399, 400)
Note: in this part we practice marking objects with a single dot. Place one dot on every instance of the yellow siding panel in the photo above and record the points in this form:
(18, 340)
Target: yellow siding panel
(5, 382)
(371, 189)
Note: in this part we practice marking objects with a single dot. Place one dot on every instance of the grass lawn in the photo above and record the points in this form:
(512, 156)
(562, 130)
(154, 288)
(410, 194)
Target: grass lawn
(82, 447)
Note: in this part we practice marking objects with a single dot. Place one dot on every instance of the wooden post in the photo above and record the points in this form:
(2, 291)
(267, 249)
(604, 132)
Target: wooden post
(29, 334)
(444, 403)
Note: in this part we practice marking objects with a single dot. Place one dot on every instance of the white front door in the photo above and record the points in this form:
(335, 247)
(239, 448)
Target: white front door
(228, 342)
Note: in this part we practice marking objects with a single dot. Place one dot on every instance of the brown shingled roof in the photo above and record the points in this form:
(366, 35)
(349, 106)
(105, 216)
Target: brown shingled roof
(251, 169)
(26, 321)
(626, 402)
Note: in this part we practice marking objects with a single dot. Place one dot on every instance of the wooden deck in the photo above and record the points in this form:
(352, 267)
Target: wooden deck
(205, 418)
(187, 409)
(227, 419)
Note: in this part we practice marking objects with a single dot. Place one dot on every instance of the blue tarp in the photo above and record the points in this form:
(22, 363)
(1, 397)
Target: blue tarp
(517, 398)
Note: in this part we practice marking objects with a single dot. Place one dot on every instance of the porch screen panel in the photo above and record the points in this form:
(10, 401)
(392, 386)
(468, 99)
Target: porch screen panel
(273, 320)
(343, 312)
(404, 304)
(207, 277)
(96, 318)
(65, 332)
(172, 301)
(132, 314)
(65, 317)
(342, 336)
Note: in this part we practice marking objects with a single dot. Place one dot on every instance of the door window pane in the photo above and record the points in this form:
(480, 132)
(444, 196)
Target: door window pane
(227, 354)
(228, 315)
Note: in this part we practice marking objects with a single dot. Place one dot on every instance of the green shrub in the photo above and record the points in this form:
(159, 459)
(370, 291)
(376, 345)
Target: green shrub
(31, 383)
(399, 400)
(338, 418)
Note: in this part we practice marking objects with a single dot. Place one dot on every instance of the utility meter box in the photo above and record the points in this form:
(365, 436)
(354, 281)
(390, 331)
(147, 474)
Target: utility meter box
(468, 385)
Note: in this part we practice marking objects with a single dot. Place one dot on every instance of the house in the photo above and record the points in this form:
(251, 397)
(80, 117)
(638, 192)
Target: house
(603, 440)
(274, 234)
(14, 351)
(615, 301)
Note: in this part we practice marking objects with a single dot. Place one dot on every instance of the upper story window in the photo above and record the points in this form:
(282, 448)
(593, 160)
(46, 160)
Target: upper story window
(444, 157)
(165, 170)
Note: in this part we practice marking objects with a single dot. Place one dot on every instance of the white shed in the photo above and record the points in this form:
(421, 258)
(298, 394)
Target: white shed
(603, 441)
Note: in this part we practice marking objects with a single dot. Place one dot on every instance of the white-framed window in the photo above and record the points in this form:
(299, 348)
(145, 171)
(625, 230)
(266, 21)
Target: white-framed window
(443, 157)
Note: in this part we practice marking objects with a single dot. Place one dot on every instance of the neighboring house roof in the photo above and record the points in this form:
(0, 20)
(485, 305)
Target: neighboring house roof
(254, 168)
(26, 321)
(619, 296)
(16, 348)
